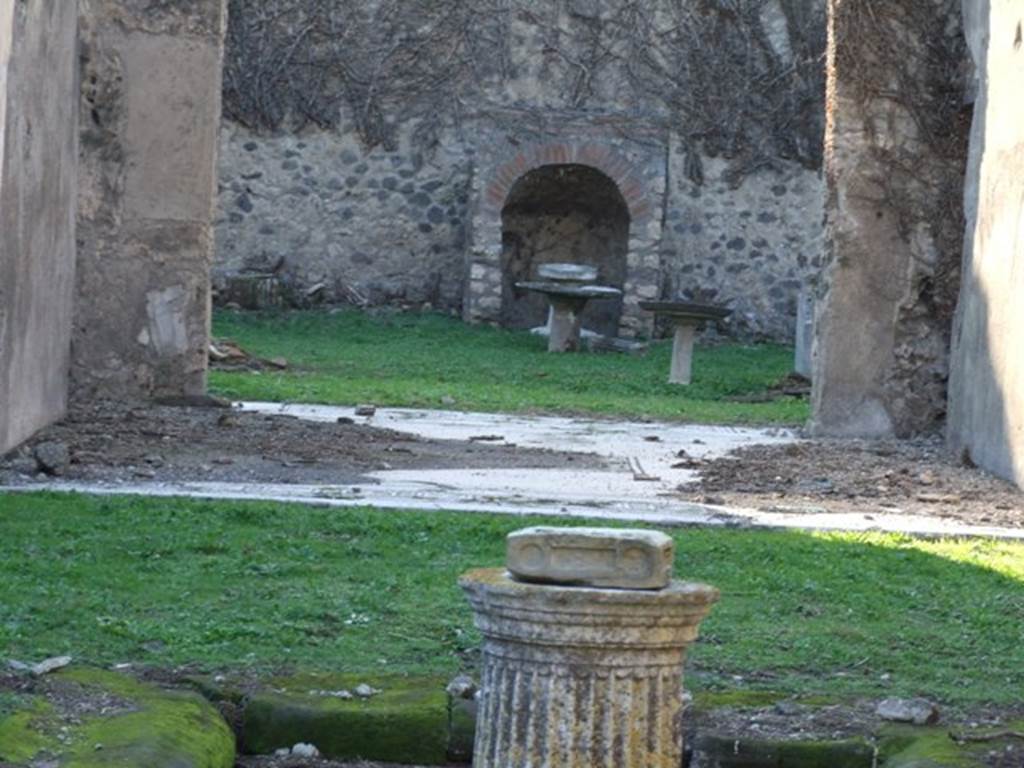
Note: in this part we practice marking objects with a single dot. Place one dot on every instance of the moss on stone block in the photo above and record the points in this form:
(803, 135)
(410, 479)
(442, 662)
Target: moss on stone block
(907, 746)
(461, 730)
(20, 741)
(707, 700)
(713, 751)
(148, 726)
(217, 689)
(407, 722)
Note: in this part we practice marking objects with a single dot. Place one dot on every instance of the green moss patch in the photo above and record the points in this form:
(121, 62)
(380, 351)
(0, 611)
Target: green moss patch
(916, 747)
(725, 752)
(707, 700)
(72, 722)
(20, 740)
(407, 722)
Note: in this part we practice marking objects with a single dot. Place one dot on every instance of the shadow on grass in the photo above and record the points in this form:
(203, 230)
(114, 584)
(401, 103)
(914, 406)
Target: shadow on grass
(266, 586)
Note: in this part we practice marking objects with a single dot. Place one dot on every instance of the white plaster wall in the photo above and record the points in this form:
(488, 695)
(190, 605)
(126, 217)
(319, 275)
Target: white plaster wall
(986, 408)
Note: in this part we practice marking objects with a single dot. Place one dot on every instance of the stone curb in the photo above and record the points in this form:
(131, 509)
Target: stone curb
(416, 722)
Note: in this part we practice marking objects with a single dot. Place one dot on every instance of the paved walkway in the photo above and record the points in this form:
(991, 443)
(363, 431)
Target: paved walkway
(639, 485)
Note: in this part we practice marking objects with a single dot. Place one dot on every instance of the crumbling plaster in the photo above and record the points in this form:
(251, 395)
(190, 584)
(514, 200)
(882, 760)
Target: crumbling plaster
(882, 337)
(150, 107)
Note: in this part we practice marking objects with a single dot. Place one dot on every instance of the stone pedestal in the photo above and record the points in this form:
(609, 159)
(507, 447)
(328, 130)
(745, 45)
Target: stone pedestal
(687, 319)
(804, 333)
(581, 677)
(682, 353)
(565, 318)
(567, 304)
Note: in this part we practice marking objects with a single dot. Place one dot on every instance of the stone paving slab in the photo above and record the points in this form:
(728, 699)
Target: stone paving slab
(615, 494)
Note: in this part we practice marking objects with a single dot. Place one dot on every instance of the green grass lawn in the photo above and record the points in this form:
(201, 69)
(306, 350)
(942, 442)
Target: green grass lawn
(433, 361)
(237, 586)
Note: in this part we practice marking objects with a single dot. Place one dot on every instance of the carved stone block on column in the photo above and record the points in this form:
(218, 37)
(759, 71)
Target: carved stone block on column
(595, 557)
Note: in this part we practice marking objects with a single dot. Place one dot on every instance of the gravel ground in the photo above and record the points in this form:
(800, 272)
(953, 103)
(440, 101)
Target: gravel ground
(110, 441)
(913, 477)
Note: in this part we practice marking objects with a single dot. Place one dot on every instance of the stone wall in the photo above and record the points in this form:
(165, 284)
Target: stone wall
(150, 104)
(404, 210)
(895, 153)
(751, 245)
(318, 210)
(986, 407)
(38, 146)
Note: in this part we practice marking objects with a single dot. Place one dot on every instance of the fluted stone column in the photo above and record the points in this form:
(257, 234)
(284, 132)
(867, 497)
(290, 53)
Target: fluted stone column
(579, 677)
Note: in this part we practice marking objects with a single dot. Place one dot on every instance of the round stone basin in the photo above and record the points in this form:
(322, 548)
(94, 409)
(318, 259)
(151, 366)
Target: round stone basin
(562, 272)
(686, 310)
(571, 290)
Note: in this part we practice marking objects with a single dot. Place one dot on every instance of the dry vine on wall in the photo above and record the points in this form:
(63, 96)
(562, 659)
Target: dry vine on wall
(705, 69)
(913, 53)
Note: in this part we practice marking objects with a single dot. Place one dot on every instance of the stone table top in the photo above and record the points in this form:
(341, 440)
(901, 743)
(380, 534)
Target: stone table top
(562, 272)
(571, 290)
(682, 310)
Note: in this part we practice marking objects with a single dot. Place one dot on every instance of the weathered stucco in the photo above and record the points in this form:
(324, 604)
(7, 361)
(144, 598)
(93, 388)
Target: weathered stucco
(150, 107)
(895, 150)
(986, 404)
(38, 146)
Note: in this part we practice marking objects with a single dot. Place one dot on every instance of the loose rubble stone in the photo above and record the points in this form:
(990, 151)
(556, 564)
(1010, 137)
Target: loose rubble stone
(50, 665)
(24, 465)
(916, 711)
(53, 458)
(462, 687)
(305, 750)
(595, 557)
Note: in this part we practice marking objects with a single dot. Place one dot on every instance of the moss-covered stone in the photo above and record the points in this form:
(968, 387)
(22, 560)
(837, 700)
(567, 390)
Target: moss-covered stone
(713, 751)
(19, 741)
(217, 689)
(707, 700)
(915, 747)
(154, 727)
(406, 723)
(461, 729)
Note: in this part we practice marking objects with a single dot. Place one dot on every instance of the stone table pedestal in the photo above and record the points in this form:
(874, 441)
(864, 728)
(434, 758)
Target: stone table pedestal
(567, 304)
(582, 677)
(687, 318)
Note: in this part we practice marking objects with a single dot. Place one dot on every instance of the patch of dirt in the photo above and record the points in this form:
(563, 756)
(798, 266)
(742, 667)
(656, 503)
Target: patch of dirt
(787, 720)
(72, 702)
(908, 477)
(118, 442)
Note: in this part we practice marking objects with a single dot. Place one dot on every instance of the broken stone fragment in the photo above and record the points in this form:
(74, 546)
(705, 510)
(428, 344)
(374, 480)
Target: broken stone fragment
(53, 458)
(50, 665)
(462, 687)
(593, 557)
(916, 711)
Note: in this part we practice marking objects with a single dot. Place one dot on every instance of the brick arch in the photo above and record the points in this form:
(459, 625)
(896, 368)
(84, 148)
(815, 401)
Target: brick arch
(601, 157)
